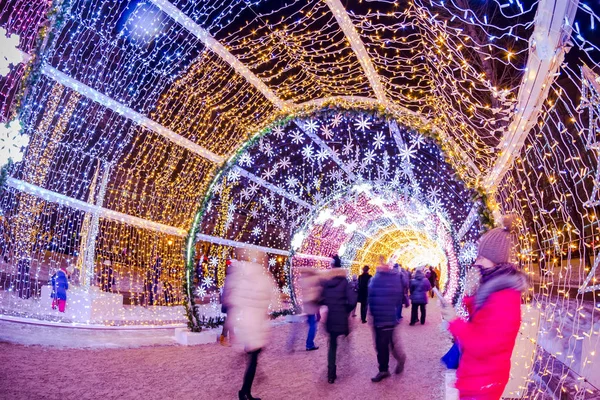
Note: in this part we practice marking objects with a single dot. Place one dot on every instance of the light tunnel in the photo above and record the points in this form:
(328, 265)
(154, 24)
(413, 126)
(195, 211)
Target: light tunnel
(142, 141)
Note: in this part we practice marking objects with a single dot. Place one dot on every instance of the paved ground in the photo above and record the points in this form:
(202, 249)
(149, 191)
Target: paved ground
(215, 372)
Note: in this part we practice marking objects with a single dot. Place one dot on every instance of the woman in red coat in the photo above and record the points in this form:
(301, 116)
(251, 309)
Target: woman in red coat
(493, 300)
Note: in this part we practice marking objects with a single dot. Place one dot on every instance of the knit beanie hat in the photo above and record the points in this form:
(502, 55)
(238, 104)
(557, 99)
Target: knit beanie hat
(495, 245)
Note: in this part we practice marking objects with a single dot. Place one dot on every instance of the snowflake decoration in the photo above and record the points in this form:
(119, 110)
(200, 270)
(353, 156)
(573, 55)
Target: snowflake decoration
(308, 152)
(201, 292)
(268, 173)
(337, 119)
(434, 193)
(272, 219)
(233, 175)
(268, 150)
(407, 153)
(278, 132)
(284, 163)
(322, 155)
(419, 140)
(436, 205)
(379, 140)
(348, 147)
(297, 137)
(256, 231)
(213, 261)
(369, 157)
(245, 160)
(272, 262)
(327, 133)
(363, 123)
(285, 290)
(253, 188)
(468, 253)
(12, 142)
(254, 213)
(291, 182)
(10, 52)
(208, 281)
(311, 126)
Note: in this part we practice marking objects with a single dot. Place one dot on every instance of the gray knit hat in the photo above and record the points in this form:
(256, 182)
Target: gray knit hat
(495, 245)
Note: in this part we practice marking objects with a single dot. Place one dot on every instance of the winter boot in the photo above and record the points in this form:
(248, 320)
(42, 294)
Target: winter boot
(246, 396)
(380, 376)
(331, 374)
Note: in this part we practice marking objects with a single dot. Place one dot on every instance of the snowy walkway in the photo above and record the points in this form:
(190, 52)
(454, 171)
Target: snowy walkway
(215, 372)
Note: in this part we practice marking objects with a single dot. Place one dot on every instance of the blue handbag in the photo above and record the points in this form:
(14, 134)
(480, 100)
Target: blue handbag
(452, 357)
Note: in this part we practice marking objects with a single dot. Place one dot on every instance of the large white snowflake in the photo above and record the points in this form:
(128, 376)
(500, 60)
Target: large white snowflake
(253, 188)
(285, 290)
(268, 149)
(378, 140)
(297, 137)
(254, 213)
(268, 173)
(256, 231)
(12, 142)
(271, 219)
(311, 126)
(201, 292)
(213, 261)
(10, 52)
(363, 123)
(272, 262)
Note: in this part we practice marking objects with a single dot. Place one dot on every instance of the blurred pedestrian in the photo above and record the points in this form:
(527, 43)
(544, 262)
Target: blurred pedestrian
(363, 293)
(404, 277)
(250, 293)
(225, 292)
(433, 277)
(339, 299)
(419, 288)
(60, 285)
(493, 300)
(310, 285)
(385, 296)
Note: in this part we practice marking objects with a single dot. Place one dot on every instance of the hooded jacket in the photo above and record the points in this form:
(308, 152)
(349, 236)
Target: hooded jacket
(339, 296)
(385, 295)
(419, 287)
(250, 291)
(60, 285)
(487, 340)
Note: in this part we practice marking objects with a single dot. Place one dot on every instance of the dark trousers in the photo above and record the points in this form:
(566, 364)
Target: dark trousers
(331, 355)
(415, 311)
(250, 371)
(363, 311)
(384, 342)
(312, 330)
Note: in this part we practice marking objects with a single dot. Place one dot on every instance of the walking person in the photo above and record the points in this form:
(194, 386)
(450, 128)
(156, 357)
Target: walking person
(405, 283)
(433, 277)
(385, 296)
(419, 288)
(60, 285)
(493, 300)
(225, 292)
(250, 293)
(310, 285)
(363, 293)
(339, 299)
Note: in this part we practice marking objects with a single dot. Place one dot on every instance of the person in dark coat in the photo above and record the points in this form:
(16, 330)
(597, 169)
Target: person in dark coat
(339, 298)
(433, 277)
(385, 296)
(419, 286)
(405, 278)
(363, 293)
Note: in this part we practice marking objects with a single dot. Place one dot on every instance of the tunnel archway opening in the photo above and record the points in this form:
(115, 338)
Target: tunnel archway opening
(335, 180)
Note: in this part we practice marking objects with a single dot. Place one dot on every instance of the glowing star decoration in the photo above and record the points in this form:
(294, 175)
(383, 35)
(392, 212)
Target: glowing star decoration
(201, 291)
(12, 142)
(272, 262)
(9, 52)
(208, 282)
(363, 123)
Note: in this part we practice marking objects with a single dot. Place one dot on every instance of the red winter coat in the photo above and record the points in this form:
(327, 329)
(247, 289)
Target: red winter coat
(486, 342)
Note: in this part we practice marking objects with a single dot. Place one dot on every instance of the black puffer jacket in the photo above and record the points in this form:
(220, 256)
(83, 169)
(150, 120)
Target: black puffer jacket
(385, 295)
(339, 298)
(419, 287)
